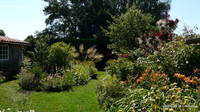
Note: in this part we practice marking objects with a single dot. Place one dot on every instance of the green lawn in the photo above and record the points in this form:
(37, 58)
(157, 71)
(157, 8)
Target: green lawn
(80, 99)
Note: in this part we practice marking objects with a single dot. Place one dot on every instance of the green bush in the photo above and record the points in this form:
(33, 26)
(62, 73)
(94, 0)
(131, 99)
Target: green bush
(60, 54)
(30, 80)
(176, 57)
(127, 28)
(109, 91)
(82, 73)
(123, 68)
(57, 83)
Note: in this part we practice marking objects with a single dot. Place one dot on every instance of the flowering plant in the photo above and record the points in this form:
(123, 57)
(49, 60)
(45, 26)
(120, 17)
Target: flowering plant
(2, 78)
(150, 78)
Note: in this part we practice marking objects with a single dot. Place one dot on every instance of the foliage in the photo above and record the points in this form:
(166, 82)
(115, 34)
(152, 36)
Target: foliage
(122, 69)
(60, 55)
(31, 79)
(57, 83)
(159, 99)
(155, 41)
(127, 28)
(108, 91)
(37, 52)
(150, 79)
(69, 18)
(2, 33)
(175, 57)
(191, 80)
(82, 73)
(89, 54)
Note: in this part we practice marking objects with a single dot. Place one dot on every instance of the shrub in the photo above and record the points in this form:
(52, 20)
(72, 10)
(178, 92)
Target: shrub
(60, 54)
(149, 79)
(30, 80)
(57, 83)
(128, 103)
(109, 91)
(123, 68)
(159, 99)
(82, 73)
(125, 29)
(176, 57)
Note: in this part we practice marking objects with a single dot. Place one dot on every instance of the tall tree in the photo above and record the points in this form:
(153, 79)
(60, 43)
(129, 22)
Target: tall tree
(83, 18)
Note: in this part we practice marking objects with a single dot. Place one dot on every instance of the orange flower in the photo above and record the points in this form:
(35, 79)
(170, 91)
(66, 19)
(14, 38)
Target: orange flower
(187, 80)
(144, 74)
(177, 89)
(122, 83)
(148, 71)
(157, 75)
(180, 76)
(193, 82)
(138, 81)
(141, 78)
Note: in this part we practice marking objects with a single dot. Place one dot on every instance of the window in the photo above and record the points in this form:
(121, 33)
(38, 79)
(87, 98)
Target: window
(4, 52)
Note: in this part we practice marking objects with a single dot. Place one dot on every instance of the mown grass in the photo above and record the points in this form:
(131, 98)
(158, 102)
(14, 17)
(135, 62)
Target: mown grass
(80, 99)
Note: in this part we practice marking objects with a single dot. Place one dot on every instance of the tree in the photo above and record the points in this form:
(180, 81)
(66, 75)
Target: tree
(83, 18)
(60, 55)
(127, 28)
(2, 33)
(38, 49)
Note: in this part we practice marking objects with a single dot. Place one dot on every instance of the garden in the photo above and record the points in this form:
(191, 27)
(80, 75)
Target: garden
(133, 63)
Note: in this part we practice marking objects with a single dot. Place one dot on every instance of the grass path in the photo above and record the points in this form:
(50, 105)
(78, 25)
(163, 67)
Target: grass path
(80, 99)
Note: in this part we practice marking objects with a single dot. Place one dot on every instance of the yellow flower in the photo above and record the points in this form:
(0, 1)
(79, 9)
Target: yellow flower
(165, 88)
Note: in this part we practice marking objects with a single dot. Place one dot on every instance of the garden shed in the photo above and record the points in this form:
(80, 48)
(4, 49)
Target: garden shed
(10, 55)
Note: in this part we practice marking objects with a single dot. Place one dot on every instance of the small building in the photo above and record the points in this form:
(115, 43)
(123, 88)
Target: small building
(10, 56)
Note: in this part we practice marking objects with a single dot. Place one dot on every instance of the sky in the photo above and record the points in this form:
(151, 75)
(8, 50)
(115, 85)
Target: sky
(187, 11)
(20, 18)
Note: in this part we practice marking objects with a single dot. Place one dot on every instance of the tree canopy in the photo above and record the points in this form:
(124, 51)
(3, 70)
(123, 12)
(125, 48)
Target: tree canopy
(83, 18)
(126, 29)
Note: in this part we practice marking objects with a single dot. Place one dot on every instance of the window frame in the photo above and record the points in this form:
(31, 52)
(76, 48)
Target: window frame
(7, 53)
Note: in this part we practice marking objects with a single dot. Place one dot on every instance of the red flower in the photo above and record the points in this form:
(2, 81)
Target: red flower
(123, 55)
(176, 21)
(167, 20)
(159, 34)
